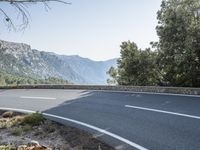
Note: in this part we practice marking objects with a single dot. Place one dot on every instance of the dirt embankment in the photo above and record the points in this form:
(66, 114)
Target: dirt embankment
(33, 132)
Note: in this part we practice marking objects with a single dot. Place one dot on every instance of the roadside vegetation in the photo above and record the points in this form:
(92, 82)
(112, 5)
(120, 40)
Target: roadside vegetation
(5, 147)
(174, 60)
(34, 132)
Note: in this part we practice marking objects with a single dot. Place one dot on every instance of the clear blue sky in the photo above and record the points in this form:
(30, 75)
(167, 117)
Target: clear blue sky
(89, 28)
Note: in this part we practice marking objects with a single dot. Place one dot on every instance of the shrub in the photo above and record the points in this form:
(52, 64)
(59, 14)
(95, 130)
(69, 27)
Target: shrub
(19, 119)
(3, 124)
(33, 119)
(5, 147)
(8, 123)
(17, 131)
(27, 128)
(7, 114)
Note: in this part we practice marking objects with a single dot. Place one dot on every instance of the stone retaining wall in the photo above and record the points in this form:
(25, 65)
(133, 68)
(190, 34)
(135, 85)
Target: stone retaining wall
(153, 89)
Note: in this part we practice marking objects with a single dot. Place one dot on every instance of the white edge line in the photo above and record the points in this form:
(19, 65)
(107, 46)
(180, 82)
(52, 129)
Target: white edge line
(139, 147)
(162, 111)
(30, 97)
(17, 110)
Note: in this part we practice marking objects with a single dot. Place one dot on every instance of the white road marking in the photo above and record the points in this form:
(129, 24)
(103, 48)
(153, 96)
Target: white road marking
(139, 147)
(17, 110)
(162, 111)
(30, 97)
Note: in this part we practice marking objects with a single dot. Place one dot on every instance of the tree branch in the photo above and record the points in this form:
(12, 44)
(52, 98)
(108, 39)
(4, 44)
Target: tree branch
(21, 7)
(34, 1)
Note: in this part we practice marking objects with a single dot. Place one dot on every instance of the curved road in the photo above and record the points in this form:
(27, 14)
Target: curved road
(123, 119)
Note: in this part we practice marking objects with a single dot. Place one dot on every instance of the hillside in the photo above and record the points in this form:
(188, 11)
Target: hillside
(20, 60)
(8, 79)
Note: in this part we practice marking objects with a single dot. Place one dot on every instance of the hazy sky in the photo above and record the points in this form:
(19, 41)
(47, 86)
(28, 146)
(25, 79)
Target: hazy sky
(89, 28)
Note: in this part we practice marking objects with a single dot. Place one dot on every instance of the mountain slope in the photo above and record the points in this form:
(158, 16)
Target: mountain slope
(19, 59)
(92, 71)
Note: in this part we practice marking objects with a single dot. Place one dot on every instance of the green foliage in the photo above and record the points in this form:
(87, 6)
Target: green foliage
(5, 147)
(8, 79)
(176, 59)
(113, 72)
(17, 131)
(33, 119)
(27, 127)
(179, 42)
(8, 123)
(136, 66)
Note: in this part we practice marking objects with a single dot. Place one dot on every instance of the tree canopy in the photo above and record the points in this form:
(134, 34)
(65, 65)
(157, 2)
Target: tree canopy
(9, 79)
(176, 58)
(179, 42)
(135, 66)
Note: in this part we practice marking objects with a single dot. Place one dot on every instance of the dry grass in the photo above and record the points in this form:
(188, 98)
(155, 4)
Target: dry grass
(10, 122)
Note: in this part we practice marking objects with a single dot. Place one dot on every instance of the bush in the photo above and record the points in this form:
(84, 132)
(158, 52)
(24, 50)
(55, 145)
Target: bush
(33, 119)
(7, 114)
(4, 123)
(5, 147)
(27, 128)
(17, 131)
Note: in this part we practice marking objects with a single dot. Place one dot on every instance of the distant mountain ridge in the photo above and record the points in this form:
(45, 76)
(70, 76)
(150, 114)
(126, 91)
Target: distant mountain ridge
(19, 59)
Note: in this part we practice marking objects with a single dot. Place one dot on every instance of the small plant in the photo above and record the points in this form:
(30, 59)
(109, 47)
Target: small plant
(8, 123)
(33, 119)
(17, 131)
(7, 114)
(15, 120)
(3, 124)
(5, 147)
(27, 128)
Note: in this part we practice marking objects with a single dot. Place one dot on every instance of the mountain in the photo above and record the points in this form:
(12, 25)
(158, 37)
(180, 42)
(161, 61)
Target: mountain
(19, 59)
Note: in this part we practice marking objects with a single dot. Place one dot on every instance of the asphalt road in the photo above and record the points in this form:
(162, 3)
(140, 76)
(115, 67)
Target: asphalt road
(127, 120)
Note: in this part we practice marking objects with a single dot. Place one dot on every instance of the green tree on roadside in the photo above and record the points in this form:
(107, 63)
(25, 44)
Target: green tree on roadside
(176, 59)
(136, 66)
(113, 72)
(179, 42)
